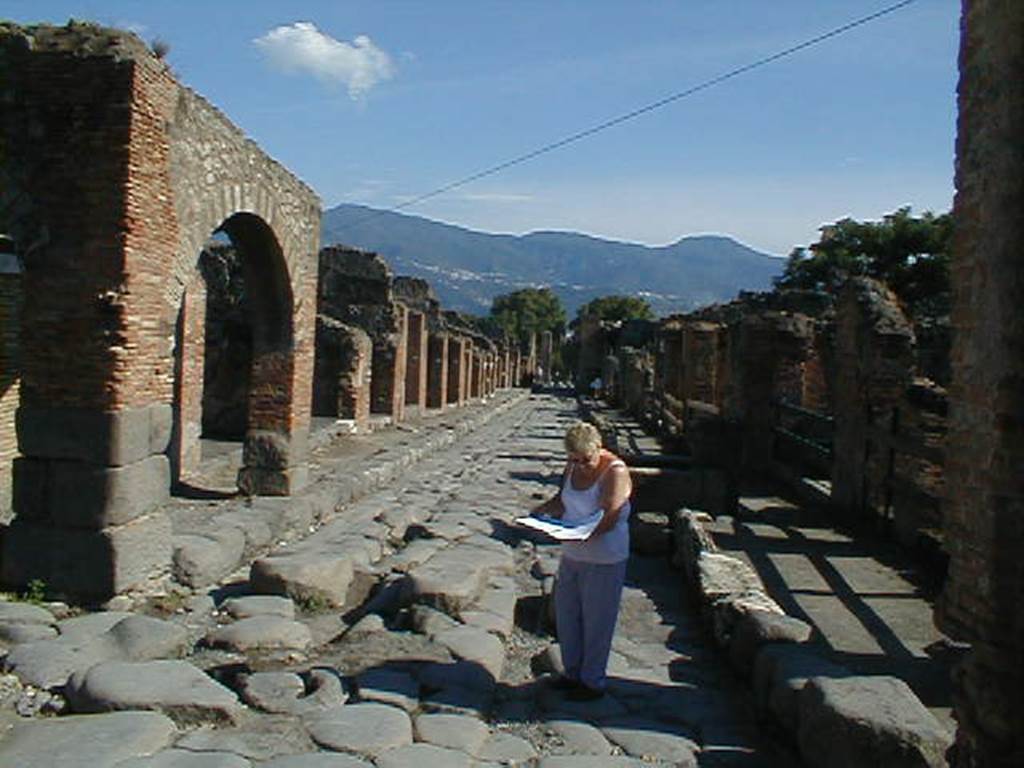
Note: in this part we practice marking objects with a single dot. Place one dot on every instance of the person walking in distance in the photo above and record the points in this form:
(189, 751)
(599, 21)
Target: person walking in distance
(591, 573)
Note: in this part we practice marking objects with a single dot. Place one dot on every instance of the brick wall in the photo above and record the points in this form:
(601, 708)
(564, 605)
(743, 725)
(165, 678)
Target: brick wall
(10, 308)
(983, 599)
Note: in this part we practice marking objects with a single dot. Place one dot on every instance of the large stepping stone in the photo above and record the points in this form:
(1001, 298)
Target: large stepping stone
(183, 758)
(423, 755)
(275, 692)
(175, 688)
(389, 686)
(14, 633)
(454, 578)
(461, 732)
(96, 741)
(857, 721)
(579, 738)
(24, 613)
(261, 633)
(201, 559)
(430, 621)
(366, 729)
(259, 605)
(262, 738)
(780, 672)
(650, 739)
(90, 624)
(721, 575)
(49, 663)
(475, 645)
(311, 577)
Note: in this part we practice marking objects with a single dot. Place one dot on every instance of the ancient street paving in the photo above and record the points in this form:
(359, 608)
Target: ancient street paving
(409, 629)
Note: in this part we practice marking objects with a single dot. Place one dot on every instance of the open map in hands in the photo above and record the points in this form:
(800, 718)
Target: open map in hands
(562, 531)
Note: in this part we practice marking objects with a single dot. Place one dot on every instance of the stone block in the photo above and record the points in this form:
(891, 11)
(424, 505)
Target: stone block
(105, 438)
(858, 721)
(76, 495)
(96, 564)
(780, 672)
(273, 450)
(758, 627)
(258, 481)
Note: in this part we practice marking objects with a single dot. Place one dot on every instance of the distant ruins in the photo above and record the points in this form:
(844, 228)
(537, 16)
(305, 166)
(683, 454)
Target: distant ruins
(114, 177)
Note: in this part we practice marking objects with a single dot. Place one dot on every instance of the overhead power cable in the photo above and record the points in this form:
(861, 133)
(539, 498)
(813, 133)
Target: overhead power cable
(632, 115)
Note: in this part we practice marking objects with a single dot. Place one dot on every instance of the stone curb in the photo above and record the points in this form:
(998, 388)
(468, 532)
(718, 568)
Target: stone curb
(878, 718)
(263, 522)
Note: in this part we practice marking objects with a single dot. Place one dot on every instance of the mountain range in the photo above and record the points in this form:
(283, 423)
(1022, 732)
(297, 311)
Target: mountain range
(468, 269)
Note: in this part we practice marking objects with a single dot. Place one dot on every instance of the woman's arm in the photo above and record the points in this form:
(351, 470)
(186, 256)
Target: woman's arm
(615, 491)
(553, 507)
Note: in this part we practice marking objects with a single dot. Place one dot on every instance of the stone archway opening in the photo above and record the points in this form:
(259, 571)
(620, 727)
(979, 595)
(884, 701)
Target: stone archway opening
(234, 355)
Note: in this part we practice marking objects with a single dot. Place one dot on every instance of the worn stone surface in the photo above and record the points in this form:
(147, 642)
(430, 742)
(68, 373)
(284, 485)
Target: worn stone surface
(317, 760)
(475, 645)
(461, 732)
(367, 729)
(101, 741)
(259, 605)
(858, 721)
(304, 576)
(579, 738)
(272, 691)
(49, 663)
(265, 632)
(175, 688)
(759, 627)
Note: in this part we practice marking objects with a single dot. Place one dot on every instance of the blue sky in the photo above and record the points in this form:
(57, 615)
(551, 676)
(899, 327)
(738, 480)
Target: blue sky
(379, 101)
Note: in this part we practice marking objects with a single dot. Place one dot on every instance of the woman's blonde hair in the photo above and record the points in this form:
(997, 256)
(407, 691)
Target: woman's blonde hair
(582, 438)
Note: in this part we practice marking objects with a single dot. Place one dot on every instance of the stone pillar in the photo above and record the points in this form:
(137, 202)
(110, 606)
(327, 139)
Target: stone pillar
(983, 600)
(387, 382)
(341, 376)
(874, 366)
(475, 374)
(10, 376)
(700, 374)
(437, 370)
(416, 362)
(467, 372)
(190, 358)
(456, 370)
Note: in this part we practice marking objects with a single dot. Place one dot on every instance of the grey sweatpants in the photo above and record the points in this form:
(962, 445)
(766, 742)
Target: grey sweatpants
(586, 606)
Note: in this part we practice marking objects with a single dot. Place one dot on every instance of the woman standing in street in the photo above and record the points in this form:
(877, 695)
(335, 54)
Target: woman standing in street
(591, 572)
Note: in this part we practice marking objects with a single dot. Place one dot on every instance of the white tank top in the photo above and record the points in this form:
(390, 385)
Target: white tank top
(609, 547)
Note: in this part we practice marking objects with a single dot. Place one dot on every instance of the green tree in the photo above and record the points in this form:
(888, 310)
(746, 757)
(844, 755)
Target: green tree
(909, 253)
(527, 311)
(617, 308)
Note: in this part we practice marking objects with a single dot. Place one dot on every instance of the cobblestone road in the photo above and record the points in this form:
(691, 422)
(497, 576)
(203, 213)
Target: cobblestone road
(439, 656)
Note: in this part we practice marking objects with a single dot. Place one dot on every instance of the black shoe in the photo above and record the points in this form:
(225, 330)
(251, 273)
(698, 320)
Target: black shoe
(585, 693)
(563, 683)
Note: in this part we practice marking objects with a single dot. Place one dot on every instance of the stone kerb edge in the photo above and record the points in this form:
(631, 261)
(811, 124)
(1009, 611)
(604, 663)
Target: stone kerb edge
(692, 542)
(321, 500)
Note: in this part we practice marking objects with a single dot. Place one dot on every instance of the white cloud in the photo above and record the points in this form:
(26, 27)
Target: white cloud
(301, 47)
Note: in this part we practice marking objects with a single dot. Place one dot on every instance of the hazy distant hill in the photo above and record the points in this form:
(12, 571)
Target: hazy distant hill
(467, 268)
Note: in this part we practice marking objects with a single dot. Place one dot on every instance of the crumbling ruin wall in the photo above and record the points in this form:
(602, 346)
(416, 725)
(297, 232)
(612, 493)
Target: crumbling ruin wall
(874, 366)
(341, 375)
(355, 288)
(114, 177)
(983, 600)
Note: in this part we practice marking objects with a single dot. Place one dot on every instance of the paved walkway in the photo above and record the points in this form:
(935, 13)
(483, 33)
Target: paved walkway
(436, 653)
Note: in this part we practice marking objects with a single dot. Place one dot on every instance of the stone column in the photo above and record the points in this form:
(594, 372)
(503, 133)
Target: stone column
(475, 374)
(387, 383)
(437, 370)
(983, 600)
(416, 362)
